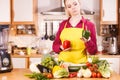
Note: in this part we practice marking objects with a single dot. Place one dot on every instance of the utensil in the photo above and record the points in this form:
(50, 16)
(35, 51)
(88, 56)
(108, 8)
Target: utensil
(46, 35)
(52, 37)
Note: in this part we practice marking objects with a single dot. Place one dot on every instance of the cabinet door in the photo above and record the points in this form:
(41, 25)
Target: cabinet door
(35, 60)
(23, 11)
(108, 11)
(19, 62)
(5, 12)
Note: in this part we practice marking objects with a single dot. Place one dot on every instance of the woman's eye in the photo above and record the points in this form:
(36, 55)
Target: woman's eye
(74, 3)
(69, 6)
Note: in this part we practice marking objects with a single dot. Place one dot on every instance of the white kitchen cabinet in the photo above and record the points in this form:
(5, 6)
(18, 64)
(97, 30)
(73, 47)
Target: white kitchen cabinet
(108, 11)
(19, 62)
(114, 63)
(35, 60)
(24, 13)
(24, 62)
(108, 15)
(23, 10)
(5, 13)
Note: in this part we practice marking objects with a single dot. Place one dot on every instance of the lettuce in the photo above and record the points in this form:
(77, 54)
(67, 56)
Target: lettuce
(104, 68)
(61, 73)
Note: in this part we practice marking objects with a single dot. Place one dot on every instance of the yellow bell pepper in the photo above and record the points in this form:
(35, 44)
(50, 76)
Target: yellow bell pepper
(56, 68)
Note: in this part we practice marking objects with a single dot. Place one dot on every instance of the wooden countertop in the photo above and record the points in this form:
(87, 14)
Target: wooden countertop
(15, 74)
(18, 74)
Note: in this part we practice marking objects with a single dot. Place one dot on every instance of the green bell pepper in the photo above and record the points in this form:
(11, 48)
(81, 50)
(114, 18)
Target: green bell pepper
(86, 34)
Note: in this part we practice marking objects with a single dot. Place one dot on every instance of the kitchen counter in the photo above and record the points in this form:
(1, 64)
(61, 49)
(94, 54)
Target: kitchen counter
(18, 74)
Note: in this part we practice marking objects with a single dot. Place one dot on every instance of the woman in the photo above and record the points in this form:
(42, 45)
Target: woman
(71, 29)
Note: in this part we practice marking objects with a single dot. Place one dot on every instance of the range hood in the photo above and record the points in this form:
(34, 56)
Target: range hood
(56, 11)
(61, 10)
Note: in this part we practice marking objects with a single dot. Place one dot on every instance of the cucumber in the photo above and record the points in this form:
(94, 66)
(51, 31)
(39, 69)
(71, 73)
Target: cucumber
(73, 68)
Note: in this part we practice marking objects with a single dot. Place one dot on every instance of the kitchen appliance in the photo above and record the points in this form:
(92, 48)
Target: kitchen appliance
(5, 58)
(113, 49)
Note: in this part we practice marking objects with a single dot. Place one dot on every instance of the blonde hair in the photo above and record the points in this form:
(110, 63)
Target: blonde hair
(67, 13)
(66, 0)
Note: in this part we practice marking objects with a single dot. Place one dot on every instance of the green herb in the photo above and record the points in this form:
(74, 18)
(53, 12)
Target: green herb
(37, 76)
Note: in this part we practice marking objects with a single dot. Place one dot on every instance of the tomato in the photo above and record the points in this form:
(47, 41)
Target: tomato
(88, 64)
(73, 74)
(49, 75)
(66, 44)
(99, 75)
(91, 68)
(94, 74)
(95, 65)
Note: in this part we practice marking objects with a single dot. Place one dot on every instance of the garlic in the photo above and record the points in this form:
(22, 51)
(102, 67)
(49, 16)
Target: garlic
(79, 74)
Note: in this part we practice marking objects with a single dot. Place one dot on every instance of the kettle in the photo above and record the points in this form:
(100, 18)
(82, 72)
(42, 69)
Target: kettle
(112, 45)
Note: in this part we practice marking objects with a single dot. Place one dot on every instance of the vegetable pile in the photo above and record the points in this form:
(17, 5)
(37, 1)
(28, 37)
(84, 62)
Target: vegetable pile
(99, 68)
(95, 68)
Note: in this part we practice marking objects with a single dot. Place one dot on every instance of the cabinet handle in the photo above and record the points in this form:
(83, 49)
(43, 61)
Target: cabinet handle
(119, 10)
(103, 13)
(13, 14)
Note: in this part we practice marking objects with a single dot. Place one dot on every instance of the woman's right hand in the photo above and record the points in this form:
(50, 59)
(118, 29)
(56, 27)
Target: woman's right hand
(67, 49)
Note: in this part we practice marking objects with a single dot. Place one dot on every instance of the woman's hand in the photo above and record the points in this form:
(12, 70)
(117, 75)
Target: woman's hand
(67, 49)
(84, 39)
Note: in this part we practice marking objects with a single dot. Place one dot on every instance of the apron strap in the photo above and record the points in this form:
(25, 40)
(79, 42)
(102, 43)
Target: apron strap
(65, 25)
(83, 26)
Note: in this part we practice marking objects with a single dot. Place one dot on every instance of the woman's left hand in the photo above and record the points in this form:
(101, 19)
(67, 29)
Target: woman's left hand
(84, 39)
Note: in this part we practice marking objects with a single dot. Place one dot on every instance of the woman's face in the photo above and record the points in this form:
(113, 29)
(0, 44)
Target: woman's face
(72, 7)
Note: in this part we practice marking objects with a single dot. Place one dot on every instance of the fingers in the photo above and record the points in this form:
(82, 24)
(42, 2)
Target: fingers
(61, 47)
(68, 49)
(84, 39)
